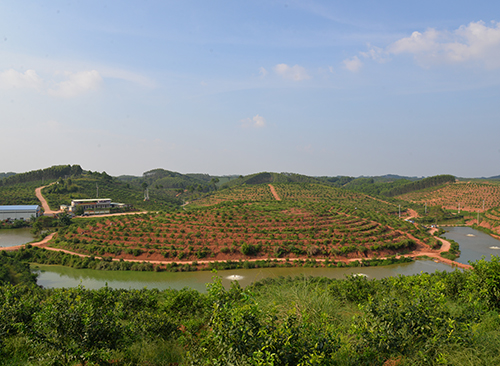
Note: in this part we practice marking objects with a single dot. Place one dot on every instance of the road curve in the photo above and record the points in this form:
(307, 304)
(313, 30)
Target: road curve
(43, 201)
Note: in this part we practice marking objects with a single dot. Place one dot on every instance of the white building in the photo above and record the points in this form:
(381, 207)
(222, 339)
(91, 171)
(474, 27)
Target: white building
(19, 212)
(93, 206)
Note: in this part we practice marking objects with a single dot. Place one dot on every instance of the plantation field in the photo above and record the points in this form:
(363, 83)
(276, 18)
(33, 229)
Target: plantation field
(249, 223)
(490, 220)
(241, 193)
(470, 195)
(20, 193)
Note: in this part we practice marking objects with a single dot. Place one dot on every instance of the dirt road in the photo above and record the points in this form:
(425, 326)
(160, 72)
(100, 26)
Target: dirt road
(43, 201)
(419, 252)
(37, 244)
(275, 194)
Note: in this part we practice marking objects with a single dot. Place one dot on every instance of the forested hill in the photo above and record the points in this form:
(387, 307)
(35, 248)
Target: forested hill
(269, 177)
(390, 189)
(5, 175)
(422, 184)
(53, 173)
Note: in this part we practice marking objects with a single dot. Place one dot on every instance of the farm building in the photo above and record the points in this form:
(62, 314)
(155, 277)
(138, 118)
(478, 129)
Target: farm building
(91, 206)
(19, 212)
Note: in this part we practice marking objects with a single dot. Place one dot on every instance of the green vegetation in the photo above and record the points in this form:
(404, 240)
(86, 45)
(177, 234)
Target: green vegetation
(445, 318)
(13, 271)
(397, 187)
(85, 187)
(47, 175)
(31, 254)
(19, 194)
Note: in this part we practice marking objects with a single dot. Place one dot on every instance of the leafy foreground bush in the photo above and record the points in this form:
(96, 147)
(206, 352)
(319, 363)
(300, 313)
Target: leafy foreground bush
(427, 319)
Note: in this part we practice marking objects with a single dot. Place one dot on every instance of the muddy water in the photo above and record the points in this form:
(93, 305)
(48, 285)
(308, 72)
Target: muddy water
(59, 276)
(13, 237)
(474, 244)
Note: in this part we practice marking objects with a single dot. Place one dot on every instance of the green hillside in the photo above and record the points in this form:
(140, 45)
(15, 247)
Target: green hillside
(87, 184)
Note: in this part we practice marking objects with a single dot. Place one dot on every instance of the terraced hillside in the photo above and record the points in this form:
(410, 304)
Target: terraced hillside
(470, 195)
(244, 223)
(491, 220)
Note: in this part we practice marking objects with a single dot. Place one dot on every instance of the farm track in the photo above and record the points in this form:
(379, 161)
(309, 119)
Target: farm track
(420, 252)
(43, 201)
(275, 194)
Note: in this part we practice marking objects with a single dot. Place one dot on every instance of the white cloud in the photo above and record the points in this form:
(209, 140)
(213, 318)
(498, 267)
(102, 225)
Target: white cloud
(263, 72)
(353, 64)
(256, 122)
(77, 83)
(296, 73)
(14, 79)
(473, 43)
(376, 53)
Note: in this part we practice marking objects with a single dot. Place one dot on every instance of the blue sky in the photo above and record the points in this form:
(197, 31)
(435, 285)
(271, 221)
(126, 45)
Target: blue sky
(237, 87)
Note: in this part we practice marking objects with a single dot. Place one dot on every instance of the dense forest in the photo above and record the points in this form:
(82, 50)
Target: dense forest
(444, 318)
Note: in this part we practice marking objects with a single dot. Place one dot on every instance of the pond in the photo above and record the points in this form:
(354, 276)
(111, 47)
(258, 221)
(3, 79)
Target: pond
(474, 244)
(13, 237)
(59, 276)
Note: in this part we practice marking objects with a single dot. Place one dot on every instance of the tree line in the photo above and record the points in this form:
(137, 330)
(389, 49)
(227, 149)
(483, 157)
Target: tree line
(53, 173)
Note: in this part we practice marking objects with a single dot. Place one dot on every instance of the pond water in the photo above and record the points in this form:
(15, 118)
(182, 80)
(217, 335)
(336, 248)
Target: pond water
(59, 276)
(13, 237)
(474, 244)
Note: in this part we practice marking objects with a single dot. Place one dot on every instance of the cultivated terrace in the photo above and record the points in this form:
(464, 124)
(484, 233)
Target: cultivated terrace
(311, 221)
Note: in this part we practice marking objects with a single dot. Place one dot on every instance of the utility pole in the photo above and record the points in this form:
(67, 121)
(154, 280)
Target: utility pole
(399, 211)
(459, 208)
(477, 217)
(97, 189)
(483, 205)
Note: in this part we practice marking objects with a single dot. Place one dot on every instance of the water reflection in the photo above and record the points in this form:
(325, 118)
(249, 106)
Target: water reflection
(59, 276)
(474, 244)
(13, 237)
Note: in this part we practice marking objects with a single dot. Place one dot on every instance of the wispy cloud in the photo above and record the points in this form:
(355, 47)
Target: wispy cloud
(76, 84)
(15, 79)
(262, 71)
(296, 73)
(353, 64)
(256, 122)
(126, 75)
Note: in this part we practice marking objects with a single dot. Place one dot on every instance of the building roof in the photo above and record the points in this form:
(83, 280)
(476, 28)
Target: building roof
(92, 200)
(15, 208)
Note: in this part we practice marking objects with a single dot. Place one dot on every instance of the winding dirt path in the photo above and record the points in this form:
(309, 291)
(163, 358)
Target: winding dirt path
(419, 252)
(275, 194)
(446, 245)
(42, 243)
(43, 201)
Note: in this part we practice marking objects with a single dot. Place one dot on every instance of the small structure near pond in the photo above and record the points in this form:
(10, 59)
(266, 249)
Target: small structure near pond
(19, 212)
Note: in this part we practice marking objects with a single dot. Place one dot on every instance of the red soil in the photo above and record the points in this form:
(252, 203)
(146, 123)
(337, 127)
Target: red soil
(275, 194)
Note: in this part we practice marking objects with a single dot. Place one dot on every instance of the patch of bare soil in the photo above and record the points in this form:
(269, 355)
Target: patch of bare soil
(275, 194)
